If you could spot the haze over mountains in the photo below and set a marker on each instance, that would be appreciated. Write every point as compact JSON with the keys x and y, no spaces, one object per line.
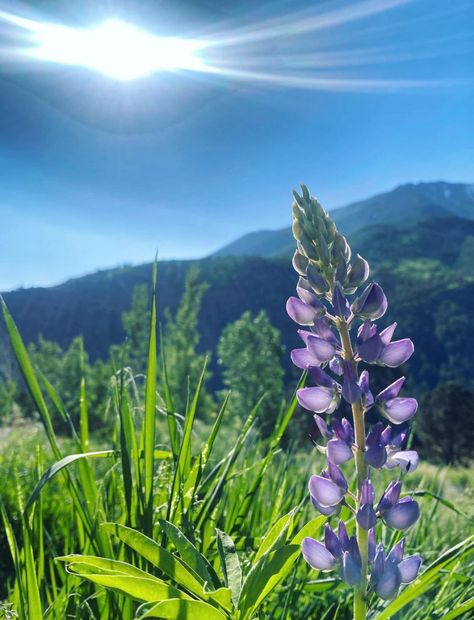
{"x":419,"y":240}
{"x":404,"y":205}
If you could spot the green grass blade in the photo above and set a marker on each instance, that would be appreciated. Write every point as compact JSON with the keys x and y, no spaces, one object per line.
{"x":184,"y":610}
{"x":230,"y":564}
{"x":461,"y":610}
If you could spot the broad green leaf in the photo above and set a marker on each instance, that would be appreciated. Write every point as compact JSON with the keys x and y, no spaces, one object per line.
{"x":184,"y":610}
{"x":312,"y":529}
{"x":230,"y":564}
{"x":427,"y":578}
{"x":265,"y":575}
{"x":276,"y":535}
{"x":190,"y":554}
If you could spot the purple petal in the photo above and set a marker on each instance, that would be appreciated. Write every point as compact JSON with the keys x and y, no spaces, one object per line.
{"x":371,"y":545}
{"x":303,"y":359}
{"x":351,"y":570}
{"x":367,"y":493}
{"x":397,"y":353}
{"x":304,"y":335}
{"x":379,"y":565}
{"x":388,"y":582}
{"x":367,"y":396}
{"x":391,"y":495}
{"x":391,"y":391}
{"x":337,"y":476}
{"x":372,"y":304}
{"x":396,"y":554}
{"x":407,"y":460}
{"x":403,"y":515}
{"x":409,"y":568}
{"x":366,"y":330}
{"x":369,"y":350}
{"x":300,"y":312}
{"x":340,"y":303}
{"x":323,"y":427}
{"x":316,"y":554}
{"x":335,"y":365}
{"x":342,"y":534}
{"x":320,"y":348}
{"x":338,"y":451}
{"x":319,"y":377}
{"x":350,"y":388}
{"x":318,"y":399}
{"x":387,"y":333}
{"x":366,"y":516}
{"x":325,"y":492}
{"x":376,"y":456}
{"x":332,"y":542}
{"x":316,"y":280}
{"x":343,"y":430}
{"x":399,"y":410}
{"x":321,"y":328}
{"x":327,"y":511}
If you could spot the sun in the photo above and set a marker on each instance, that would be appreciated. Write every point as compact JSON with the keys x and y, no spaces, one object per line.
{"x":114,"y":48}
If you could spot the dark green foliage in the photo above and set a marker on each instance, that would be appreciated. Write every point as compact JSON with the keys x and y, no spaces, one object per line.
{"x":445,"y":424}
{"x":135,"y":323}
{"x":250,"y":353}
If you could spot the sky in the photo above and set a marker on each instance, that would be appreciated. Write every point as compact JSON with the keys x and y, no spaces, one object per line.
{"x":351,"y":98}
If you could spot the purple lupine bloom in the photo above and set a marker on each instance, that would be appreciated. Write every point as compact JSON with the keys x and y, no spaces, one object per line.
{"x":375,"y":348}
{"x":383,"y":450}
{"x":321,"y":346}
{"x":397,"y":513}
{"x":389,"y":572}
{"x":328,"y":490}
{"x":337,"y":550}
{"x":372,"y":304}
{"x":340,"y":436}
{"x":366,"y":516}
{"x":394,"y":408}
{"x":324,"y":397}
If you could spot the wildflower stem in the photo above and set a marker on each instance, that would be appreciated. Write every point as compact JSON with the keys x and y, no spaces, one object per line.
{"x":360,"y":593}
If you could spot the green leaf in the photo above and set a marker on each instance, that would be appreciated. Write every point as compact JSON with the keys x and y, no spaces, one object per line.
{"x":276,"y":536}
{"x":54,"y":469}
{"x":459,"y":611}
{"x":428,"y":577}
{"x":312,"y":529}
{"x":184,"y":610}
{"x":190,"y":554}
{"x":265,"y":575}
{"x":230,"y":564}
{"x":32,"y":590}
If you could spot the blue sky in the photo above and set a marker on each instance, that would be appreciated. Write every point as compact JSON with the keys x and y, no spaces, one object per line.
{"x":352,"y":98}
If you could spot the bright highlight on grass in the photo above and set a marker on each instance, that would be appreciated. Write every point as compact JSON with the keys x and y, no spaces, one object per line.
{"x":115,"y":49}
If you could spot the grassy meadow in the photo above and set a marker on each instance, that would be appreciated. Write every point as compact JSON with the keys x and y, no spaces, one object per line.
{"x":189,"y":515}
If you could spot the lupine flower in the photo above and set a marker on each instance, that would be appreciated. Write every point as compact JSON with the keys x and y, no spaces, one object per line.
{"x":372,"y":304}
{"x":337,"y":550}
{"x":394,"y":408}
{"x":326,"y":279}
{"x":375,"y":348}
{"x":397,"y":513}
{"x":340,"y":437}
{"x":383,"y":450}
{"x":389,"y":572}
{"x":327,"y":491}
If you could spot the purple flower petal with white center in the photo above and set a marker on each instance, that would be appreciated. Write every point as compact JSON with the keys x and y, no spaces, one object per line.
{"x":321,"y":349}
{"x":316,"y":554}
{"x":300,"y":312}
{"x":389,"y":581}
{"x":318,"y":399}
{"x":409,"y":568}
{"x":338,"y":451}
{"x":403,"y":515}
{"x":399,"y":410}
{"x":372,"y":304}
{"x":407,"y":460}
{"x":392,"y":391}
{"x":397,"y":353}
{"x":327,"y":511}
{"x":325,"y":491}
{"x":340,"y":303}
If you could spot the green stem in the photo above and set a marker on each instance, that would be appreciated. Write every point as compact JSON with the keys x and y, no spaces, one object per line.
{"x":360,"y":593}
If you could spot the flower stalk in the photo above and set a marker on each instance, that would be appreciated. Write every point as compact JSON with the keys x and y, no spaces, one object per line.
{"x":327,"y":280}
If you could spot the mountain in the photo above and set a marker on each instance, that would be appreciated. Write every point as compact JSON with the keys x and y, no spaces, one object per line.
{"x":406,"y":204}
{"x":426,"y":268}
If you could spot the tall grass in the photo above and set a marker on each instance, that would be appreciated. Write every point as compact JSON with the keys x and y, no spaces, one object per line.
{"x":175,"y":519}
